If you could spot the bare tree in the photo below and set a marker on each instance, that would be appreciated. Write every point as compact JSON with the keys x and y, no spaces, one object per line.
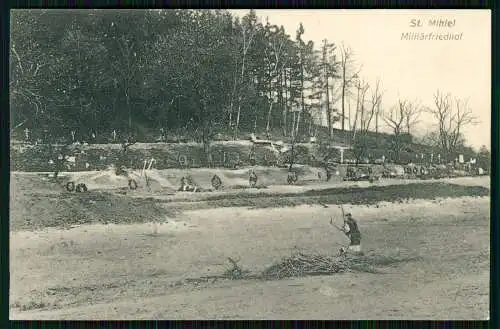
{"x":348,"y":79}
{"x":362,"y":119}
{"x":377,"y":95}
{"x":359,"y":116}
{"x":373,"y":107}
{"x":329,"y":80}
{"x":395,"y":119}
{"x":366,"y":111}
{"x":452,"y":117}
{"x":412,"y":113}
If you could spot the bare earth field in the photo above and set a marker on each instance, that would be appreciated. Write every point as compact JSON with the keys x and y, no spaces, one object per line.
{"x":146,"y":255}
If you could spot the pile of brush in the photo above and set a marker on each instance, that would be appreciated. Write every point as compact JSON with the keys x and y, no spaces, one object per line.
{"x":300,"y":264}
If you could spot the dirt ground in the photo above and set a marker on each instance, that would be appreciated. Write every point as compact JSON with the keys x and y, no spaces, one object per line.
{"x":141,"y":270}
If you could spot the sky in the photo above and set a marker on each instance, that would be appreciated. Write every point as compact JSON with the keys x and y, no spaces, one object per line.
{"x":409,"y":69}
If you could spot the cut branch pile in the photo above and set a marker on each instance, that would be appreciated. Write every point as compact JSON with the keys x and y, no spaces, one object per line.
{"x":302,"y":265}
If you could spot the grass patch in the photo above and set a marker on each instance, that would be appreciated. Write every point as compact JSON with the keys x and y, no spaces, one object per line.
{"x":351,"y":195}
{"x":373,"y":194}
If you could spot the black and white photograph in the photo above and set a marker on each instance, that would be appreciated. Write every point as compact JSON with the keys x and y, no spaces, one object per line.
{"x":175,"y":164}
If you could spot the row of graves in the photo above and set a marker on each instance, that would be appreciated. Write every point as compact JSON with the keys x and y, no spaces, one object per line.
{"x":82,"y":156}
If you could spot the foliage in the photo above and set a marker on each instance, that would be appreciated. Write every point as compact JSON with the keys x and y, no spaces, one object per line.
{"x":484,"y":157}
{"x":194,"y":73}
{"x":174,"y":69}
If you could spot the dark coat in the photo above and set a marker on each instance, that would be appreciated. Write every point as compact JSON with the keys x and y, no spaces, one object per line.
{"x":354,"y":234}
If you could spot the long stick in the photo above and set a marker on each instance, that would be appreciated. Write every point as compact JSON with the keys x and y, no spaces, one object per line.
{"x":147,"y":181}
{"x":144,"y":167}
{"x":331,"y":223}
{"x":151,"y":162}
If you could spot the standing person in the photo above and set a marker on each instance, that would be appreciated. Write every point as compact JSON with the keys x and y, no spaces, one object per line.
{"x":351,"y":229}
{"x":113,"y":134}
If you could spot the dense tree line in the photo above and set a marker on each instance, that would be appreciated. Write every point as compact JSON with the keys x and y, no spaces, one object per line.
{"x":197,"y":71}
{"x":162,"y":68}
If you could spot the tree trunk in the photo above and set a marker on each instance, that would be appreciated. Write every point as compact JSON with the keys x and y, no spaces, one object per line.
{"x":239,"y":93}
{"x":255,"y":124}
{"x":343,"y":96}
{"x":328,"y":112}
{"x":354,"y":128}
{"x":285,"y":108}
{"x":127,"y":100}
{"x":292,"y":155}
{"x":230,"y":123}
{"x":310,"y":125}
{"x":350,"y":123}
{"x":302,"y":91}
{"x":207,"y":151}
{"x":272,"y":74}
{"x":298,"y":125}
{"x":280,"y":95}
{"x":206,"y":137}
{"x":269,"y":116}
{"x":270,"y":107}
{"x":236,"y":127}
